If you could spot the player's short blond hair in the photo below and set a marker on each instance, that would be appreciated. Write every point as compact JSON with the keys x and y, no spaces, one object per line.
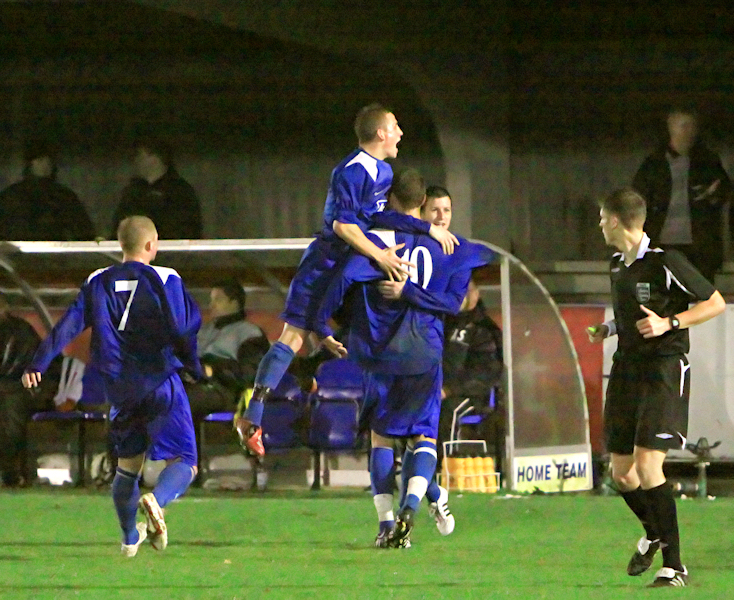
{"x":134,"y":232}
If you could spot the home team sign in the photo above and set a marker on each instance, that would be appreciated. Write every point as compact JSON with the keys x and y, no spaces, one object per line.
{"x":552,"y":473}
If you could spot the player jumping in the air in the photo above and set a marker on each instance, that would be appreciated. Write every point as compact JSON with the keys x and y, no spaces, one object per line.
{"x":398,"y":341}
{"x":355,"y":202}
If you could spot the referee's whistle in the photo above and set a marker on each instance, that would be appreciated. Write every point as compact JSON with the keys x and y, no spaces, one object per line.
{"x":592,"y":330}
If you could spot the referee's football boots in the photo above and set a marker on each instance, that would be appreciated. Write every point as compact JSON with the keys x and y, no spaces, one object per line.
{"x":667,"y":577}
{"x":642,"y":559}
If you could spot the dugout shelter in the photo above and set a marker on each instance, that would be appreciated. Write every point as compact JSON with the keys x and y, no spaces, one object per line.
{"x":547,"y":444}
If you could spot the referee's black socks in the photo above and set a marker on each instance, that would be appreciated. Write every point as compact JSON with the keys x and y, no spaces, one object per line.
{"x":638,"y":503}
{"x":661,"y":504}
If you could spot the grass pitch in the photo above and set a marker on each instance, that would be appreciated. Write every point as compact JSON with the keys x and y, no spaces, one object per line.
{"x":65,"y":544}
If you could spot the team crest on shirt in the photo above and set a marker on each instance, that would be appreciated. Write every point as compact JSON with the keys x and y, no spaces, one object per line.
{"x":643,"y":292}
{"x":381,"y":205}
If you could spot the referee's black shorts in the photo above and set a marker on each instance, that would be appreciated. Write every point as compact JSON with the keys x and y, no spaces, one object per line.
{"x":647,"y":403}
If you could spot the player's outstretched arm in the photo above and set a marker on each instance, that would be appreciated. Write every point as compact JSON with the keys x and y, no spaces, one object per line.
{"x":71,"y":324}
{"x":394,"y":267}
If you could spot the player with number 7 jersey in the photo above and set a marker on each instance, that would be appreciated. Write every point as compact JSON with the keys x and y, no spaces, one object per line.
{"x":144,"y":326}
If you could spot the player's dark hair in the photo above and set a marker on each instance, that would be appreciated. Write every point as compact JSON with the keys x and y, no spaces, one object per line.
{"x":628,"y":205}
{"x":233,"y":290}
{"x":369,"y":119}
{"x":436,"y":191}
{"x":409,"y":189}
{"x":154,"y":145}
{"x":133,"y":232}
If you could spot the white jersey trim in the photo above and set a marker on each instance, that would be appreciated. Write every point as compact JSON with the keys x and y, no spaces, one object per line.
{"x":97,"y":272}
{"x":387,"y":236}
{"x":368,"y":162}
{"x":165,"y":272}
{"x":669,"y":278}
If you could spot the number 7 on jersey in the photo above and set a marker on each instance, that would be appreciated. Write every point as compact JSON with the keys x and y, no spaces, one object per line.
{"x":126,"y":285}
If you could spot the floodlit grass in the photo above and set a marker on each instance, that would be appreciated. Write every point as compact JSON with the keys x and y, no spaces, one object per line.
{"x":65,"y":544}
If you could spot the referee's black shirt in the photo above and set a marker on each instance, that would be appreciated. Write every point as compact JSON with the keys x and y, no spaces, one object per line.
{"x":663,"y":281}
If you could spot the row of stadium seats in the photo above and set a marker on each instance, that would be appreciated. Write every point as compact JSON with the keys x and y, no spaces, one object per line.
{"x":324,"y":421}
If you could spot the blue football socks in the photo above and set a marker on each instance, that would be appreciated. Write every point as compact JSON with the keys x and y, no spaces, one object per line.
{"x":173,"y":481}
{"x":269,"y":373}
{"x":424,"y":468}
{"x":125,"y":496}
{"x":433,"y":491}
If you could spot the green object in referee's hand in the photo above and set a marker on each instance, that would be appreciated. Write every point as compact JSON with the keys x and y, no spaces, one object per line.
{"x":592,"y":330}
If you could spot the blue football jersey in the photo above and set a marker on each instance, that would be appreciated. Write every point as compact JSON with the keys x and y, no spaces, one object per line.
{"x":358,"y":189}
{"x":144,"y":325}
{"x":403,"y":336}
{"x":357,"y":194}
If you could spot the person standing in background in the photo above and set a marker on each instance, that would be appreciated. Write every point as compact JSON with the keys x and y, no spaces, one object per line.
{"x":39,"y":208}
{"x":685,"y":187}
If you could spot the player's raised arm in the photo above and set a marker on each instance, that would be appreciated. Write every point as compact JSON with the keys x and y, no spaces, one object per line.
{"x":394,"y":220}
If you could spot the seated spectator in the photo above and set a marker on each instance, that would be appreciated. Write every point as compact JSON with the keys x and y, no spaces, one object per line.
{"x":18,"y":343}
{"x":230,"y":349}
{"x":472,"y":360}
{"x":38,"y":207}
{"x":160,"y":193}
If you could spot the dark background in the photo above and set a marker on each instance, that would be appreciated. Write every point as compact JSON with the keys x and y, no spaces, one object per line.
{"x":527,"y":112}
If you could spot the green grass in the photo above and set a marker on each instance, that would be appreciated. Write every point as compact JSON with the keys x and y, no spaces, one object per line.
{"x":65,"y":544}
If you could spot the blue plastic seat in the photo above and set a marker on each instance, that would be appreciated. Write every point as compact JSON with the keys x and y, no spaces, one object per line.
{"x":281,"y":418}
{"x":79,"y":419}
{"x":334,"y":411}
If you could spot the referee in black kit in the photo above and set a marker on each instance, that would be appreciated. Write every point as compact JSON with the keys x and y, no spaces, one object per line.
{"x":646,"y":410}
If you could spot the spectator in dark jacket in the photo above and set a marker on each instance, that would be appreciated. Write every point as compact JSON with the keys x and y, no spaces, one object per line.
{"x":160,"y":193}
{"x":685,"y":186}
{"x":18,"y":343}
{"x":38,"y":207}
{"x":472,"y":361}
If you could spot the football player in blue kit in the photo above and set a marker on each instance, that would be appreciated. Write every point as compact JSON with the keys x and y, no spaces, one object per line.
{"x":399,"y":343}
{"x":355,"y":202}
{"x":144,"y":325}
